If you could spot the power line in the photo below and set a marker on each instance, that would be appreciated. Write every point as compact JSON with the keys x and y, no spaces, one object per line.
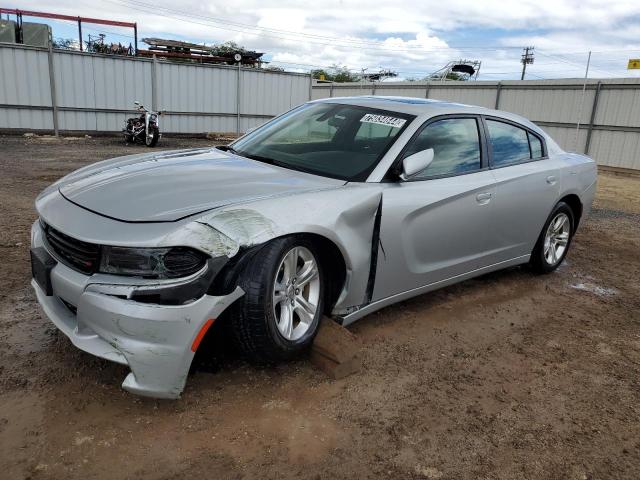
{"x":242,"y":28}
{"x":289,"y":35}
{"x":567,"y":61}
{"x":424,"y":73}
{"x":352,"y":70}
{"x":224,"y":24}
{"x":84,"y":27}
{"x":613,"y":50}
{"x":310,"y":38}
{"x":109,"y":33}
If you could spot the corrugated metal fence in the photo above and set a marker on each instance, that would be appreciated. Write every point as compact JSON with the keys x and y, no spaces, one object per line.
{"x":55,"y":89}
{"x":608,"y":112}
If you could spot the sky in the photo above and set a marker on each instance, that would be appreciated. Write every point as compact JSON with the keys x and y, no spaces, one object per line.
{"x":411,"y":37}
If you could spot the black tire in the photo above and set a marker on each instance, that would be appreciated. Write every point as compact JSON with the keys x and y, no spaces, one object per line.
{"x":252,"y":317}
{"x":539,"y":262}
{"x":153,"y":141}
{"x":128,"y":139}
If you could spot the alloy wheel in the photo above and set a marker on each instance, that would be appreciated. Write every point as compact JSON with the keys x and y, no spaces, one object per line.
{"x":296,"y":293}
{"x":557,"y":238}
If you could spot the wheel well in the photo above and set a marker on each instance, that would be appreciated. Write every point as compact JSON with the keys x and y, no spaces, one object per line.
{"x":576,"y":206}
{"x":334,"y":268}
{"x":330,"y":256}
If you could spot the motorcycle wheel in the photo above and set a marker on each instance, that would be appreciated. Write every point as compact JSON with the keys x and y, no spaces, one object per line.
{"x":152,"y":140}
{"x":128,"y":139}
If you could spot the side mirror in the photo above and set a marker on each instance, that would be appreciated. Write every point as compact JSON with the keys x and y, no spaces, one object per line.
{"x":414,"y":164}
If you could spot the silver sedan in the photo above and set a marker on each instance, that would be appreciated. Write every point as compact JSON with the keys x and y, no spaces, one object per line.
{"x":339,"y":207}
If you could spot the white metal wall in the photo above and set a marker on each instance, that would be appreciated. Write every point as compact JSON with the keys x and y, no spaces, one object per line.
{"x":608,"y":111}
{"x":19,"y":86}
{"x":96,"y":92}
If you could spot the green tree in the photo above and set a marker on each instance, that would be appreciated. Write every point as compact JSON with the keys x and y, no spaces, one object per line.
{"x":335,"y":73}
{"x":227,"y":48}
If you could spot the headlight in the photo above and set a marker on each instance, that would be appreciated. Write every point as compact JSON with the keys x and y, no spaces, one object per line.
{"x":171,"y":262}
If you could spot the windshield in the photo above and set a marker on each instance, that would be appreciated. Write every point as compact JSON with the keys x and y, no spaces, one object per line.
{"x":328,"y":139}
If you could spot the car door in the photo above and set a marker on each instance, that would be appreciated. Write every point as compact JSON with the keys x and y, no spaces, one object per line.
{"x":527,"y":186}
{"x":434,"y":225}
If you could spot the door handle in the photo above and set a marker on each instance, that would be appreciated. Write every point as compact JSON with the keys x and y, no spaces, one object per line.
{"x":551,"y":180}
{"x":483,"y":198}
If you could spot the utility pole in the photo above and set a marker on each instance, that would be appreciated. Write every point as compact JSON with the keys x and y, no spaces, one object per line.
{"x":584,"y":87}
{"x":527,"y":58}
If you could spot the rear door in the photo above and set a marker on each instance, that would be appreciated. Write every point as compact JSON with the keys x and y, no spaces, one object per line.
{"x":527,"y":184}
{"x":434,"y":226}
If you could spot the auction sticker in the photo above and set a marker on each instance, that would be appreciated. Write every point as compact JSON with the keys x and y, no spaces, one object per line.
{"x":383,"y":120}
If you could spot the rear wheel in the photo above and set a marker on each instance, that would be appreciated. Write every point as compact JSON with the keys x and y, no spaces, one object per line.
{"x":278,"y":317}
{"x":554,"y":240}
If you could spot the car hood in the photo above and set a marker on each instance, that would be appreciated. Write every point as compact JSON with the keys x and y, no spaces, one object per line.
{"x":169,"y":186}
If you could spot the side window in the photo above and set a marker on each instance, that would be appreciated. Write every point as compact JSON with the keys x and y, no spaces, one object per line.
{"x":510,"y":144}
{"x":536,"y":146}
{"x":455,"y":143}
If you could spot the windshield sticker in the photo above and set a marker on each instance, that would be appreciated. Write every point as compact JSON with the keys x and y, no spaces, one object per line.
{"x":383,"y":120}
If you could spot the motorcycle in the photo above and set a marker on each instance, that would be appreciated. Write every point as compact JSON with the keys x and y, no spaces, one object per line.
{"x":143,"y":129}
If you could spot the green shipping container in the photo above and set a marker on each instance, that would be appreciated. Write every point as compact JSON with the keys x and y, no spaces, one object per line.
{"x":36,"y":34}
{"x":7,"y":31}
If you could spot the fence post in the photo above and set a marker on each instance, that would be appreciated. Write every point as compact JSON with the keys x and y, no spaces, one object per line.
{"x":52,"y":86}
{"x":238,"y":101}
{"x":426,"y":92}
{"x":310,"y":86}
{"x":594,"y":109}
{"x":331,"y":90}
{"x":498,"y":90}
{"x":154,"y":83}
{"x":373,"y":89}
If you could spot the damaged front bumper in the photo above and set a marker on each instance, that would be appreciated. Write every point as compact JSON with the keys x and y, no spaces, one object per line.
{"x":157,"y":342}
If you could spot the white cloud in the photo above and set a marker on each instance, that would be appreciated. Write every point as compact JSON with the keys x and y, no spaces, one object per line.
{"x":414,"y":36}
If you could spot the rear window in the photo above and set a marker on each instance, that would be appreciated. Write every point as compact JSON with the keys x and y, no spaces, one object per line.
{"x":536,"y":146}
{"x":510,"y":144}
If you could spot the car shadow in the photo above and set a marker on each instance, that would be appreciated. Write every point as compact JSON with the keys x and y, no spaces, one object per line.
{"x":218,"y":349}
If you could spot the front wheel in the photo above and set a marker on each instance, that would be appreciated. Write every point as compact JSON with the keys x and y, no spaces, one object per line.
{"x":152,"y":137}
{"x":554,"y":240}
{"x":278,"y":317}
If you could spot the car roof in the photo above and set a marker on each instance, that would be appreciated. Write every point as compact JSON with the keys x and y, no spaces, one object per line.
{"x":424,"y":107}
{"x":411,"y":105}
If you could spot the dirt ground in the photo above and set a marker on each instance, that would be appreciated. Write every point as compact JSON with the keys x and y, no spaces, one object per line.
{"x":509,"y":376}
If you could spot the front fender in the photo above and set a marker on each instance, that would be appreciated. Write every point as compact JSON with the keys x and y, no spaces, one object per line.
{"x":344,"y":215}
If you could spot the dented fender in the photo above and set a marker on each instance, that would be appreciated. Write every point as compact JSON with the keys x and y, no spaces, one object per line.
{"x":344,"y":215}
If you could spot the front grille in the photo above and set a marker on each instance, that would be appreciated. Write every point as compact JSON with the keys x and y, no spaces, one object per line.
{"x":81,"y":256}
